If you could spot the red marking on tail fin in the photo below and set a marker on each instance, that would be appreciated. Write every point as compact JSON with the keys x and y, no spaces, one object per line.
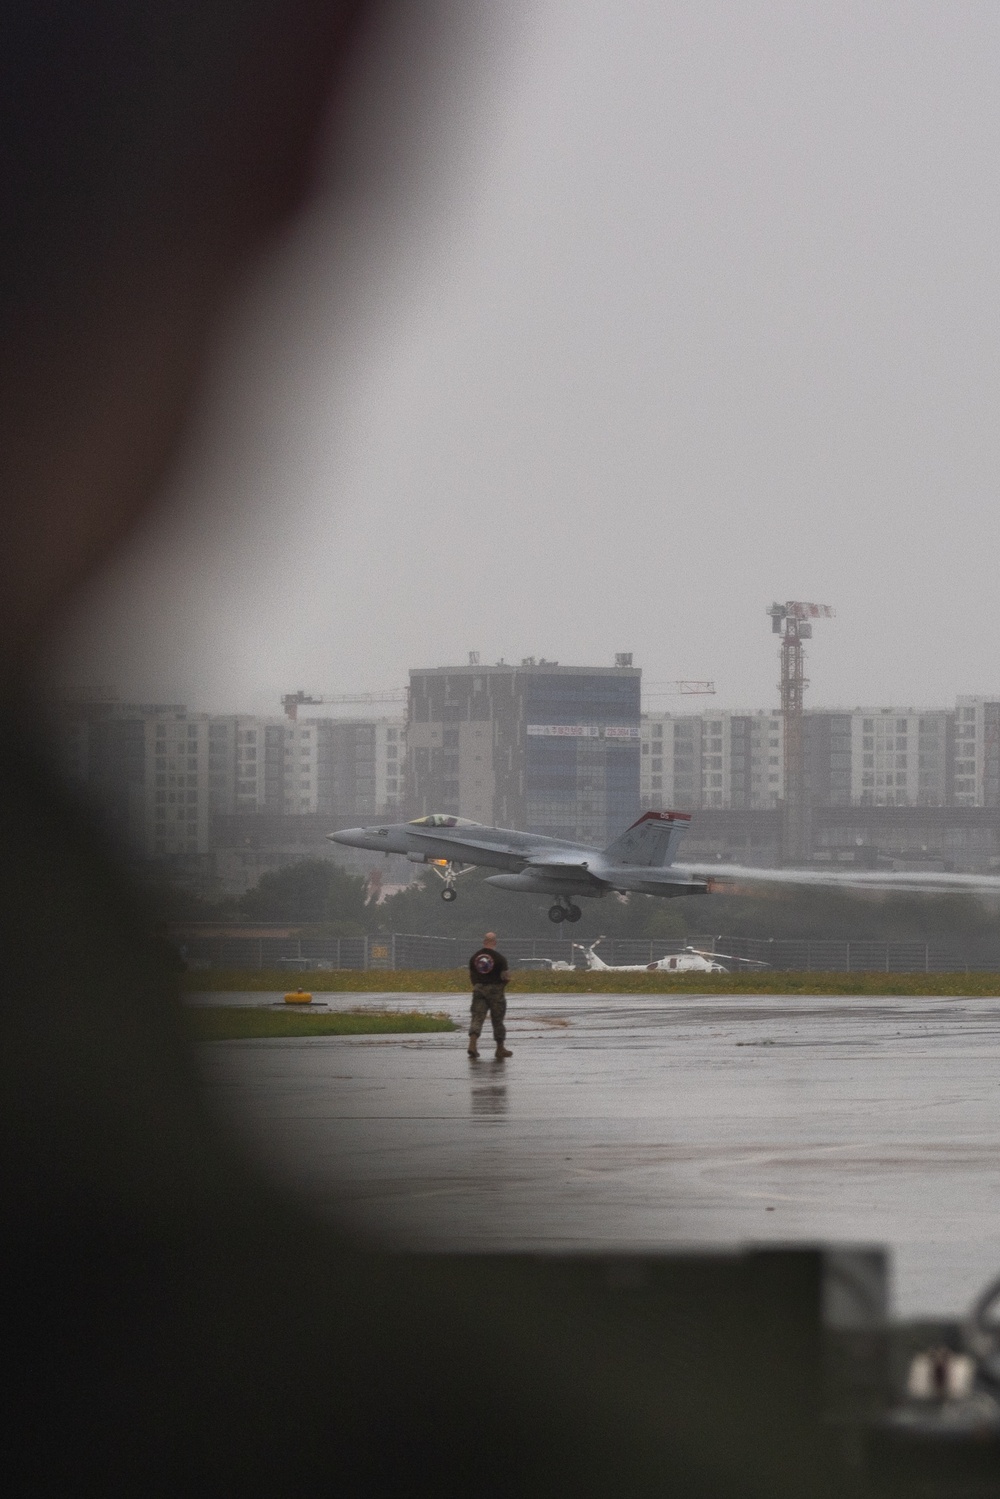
{"x":662,"y":817}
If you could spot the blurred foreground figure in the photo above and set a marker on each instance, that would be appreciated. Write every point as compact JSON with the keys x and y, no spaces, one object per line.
{"x":170,"y":1324}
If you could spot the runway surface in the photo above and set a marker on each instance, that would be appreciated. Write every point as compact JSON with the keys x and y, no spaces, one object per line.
{"x":649,"y":1122}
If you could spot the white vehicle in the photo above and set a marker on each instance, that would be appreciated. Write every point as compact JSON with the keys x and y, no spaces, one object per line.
{"x":691,"y":960}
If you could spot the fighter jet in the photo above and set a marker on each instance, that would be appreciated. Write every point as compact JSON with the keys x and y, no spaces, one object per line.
{"x":641,"y":860}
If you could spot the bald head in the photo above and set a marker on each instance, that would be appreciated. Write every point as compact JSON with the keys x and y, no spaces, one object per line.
{"x":490,"y":940}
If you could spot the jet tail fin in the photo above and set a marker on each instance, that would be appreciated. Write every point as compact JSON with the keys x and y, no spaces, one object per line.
{"x":650,"y":843}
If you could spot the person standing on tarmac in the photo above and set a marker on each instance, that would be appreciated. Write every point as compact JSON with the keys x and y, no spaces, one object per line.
{"x":490,"y":972}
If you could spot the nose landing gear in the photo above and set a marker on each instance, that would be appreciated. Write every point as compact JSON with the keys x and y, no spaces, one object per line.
{"x":447,"y":870}
{"x":564,"y":910}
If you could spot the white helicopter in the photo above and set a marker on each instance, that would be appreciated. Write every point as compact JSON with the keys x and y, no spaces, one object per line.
{"x":689,"y":960}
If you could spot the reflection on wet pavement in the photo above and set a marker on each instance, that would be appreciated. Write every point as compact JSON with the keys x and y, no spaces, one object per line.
{"x":651,"y":1122}
{"x":489,"y":1100}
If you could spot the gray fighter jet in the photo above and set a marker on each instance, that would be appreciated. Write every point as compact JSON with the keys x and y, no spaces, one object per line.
{"x":641,"y":860}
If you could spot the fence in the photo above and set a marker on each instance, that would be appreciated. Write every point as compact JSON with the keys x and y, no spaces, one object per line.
{"x":404,"y":950}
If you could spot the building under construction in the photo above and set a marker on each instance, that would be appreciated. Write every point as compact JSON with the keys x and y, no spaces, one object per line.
{"x":535,"y":745}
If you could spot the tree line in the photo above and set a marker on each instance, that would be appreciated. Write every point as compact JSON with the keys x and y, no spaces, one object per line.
{"x":320,"y":893}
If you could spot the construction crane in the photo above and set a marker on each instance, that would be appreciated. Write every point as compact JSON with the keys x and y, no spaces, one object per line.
{"x":679,"y":689}
{"x":793,"y":622}
{"x":293,"y":701}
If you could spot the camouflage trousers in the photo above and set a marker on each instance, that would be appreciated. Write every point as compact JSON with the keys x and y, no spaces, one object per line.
{"x":488,"y":999}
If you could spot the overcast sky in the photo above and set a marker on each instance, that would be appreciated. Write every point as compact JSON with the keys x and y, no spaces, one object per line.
{"x":663,"y":311}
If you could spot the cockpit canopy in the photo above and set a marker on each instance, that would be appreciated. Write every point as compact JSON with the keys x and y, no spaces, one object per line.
{"x":443,"y":820}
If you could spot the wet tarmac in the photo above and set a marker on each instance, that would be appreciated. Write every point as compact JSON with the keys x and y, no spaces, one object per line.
{"x":650,"y":1122}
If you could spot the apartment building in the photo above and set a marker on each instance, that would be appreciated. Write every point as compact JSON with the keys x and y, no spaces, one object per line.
{"x":352,"y":768}
{"x":390,"y":765}
{"x":146,"y":769}
{"x":159,"y":774}
{"x":878,"y":757}
{"x":247,"y":769}
{"x":902,"y":757}
{"x":692,"y":761}
{"x":554,"y":749}
{"x":975,"y":774}
{"x":143,"y":767}
{"x":176,"y":784}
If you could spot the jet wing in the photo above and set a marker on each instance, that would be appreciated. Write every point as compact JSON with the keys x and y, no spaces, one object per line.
{"x":560,"y":866}
{"x":888,"y":880}
{"x":541,"y":860}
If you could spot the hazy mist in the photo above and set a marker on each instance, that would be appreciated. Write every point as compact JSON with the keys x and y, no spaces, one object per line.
{"x":665,"y":311}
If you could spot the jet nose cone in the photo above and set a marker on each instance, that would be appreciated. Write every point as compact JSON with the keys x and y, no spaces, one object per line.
{"x":353,"y":837}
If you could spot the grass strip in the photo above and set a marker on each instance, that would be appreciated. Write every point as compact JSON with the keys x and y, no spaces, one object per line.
{"x":528,"y":981}
{"x":338,"y":981}
{"x":230,"y":1023}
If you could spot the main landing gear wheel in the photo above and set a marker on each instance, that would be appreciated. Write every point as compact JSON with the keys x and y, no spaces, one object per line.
{"x":448,"y":893}
{"x":572,"y":913}
{"x":556,"y":913}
